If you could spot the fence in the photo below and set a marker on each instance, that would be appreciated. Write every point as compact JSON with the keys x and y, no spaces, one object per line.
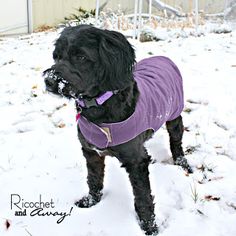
{"x":51,"y":12}
{"x":35,"y":13}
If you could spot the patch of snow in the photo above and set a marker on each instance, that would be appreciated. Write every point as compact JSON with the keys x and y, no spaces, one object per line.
{"x":40,"y":153}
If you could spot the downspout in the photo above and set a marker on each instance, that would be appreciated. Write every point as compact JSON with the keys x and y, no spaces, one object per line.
{"x":30,"y":16}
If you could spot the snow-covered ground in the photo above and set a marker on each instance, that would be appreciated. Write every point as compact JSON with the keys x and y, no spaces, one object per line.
{"x":40,"y":155}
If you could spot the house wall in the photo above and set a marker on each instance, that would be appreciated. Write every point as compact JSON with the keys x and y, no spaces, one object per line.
{"x":52,"y":12}
{"x":209,"y":6}
{"x":13,"y":20}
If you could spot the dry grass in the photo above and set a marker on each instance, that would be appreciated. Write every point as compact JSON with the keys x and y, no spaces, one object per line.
{"x":43,"y":28}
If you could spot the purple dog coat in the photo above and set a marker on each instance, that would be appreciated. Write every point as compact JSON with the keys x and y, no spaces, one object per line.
{"x":161,"y":99}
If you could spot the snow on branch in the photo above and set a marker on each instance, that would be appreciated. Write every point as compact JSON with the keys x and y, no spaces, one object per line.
{"x":165,"y":7}
{"x":103,"y":5}
{"x":230,"y":11}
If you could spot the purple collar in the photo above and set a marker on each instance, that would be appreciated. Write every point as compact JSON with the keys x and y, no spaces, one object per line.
{"x":96,"y":101}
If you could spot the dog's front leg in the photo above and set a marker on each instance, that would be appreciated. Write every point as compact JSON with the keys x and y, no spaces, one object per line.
{"x":95,"y":167}
{"x":137,"y":168}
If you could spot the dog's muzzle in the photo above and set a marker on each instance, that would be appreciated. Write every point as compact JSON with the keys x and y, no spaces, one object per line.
{"x":55,"y":83}
{"x":58,"y":85}
{"x":51,"y":80}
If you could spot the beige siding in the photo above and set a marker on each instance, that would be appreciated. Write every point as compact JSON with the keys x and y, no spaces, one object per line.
{"x":13,"y":17}
{"x":209,"y":6}
{"x":51,"y":12}
{"x":126,"y":5}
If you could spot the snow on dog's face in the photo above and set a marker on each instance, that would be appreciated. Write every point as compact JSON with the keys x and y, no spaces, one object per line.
{"x":56,"y":84}
{"x":89,"y":61}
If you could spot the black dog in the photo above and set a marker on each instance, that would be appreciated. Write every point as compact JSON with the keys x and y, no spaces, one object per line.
{"x":96,"y":68}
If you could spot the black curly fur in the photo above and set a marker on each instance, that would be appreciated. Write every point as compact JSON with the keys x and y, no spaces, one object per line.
{"x":90,"y":61}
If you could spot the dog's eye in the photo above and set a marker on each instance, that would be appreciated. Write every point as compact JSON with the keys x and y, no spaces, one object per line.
{"x":56,"y":56}
{"x":81,"y":58}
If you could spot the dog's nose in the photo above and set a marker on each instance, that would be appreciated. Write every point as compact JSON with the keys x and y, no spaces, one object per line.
{"x":51,"y":84}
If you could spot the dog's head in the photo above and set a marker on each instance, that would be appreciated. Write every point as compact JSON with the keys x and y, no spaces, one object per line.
{"x":90,"y":61}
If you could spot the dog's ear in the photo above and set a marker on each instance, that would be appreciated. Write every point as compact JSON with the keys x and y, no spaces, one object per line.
{"x":60,"y":48}
{"x":117,"y":58}
{"x":63,"y":41}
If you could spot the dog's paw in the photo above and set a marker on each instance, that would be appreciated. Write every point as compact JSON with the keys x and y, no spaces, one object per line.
{"x":149,"y":227}
{"x":182,"y":161}
{"x":88,"y":201}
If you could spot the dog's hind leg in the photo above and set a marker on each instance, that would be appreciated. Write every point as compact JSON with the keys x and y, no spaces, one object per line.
{"x":95,"y":167}
{"x":175,"y":129}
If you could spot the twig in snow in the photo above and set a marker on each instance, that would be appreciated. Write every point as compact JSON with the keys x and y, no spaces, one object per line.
{"x":194,"y":192}
{"x":200,"y":212}
{"x":191,"y":149}
{"x":231,"y":205}
{"x":28,"y":232}
{"x":221,"y":125}
{"x":197,"y":102}
{"x":7,"y":224}
{"x":211,"y":198}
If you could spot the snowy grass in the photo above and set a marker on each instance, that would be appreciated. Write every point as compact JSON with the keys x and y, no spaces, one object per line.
{"x":40,"y":153}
